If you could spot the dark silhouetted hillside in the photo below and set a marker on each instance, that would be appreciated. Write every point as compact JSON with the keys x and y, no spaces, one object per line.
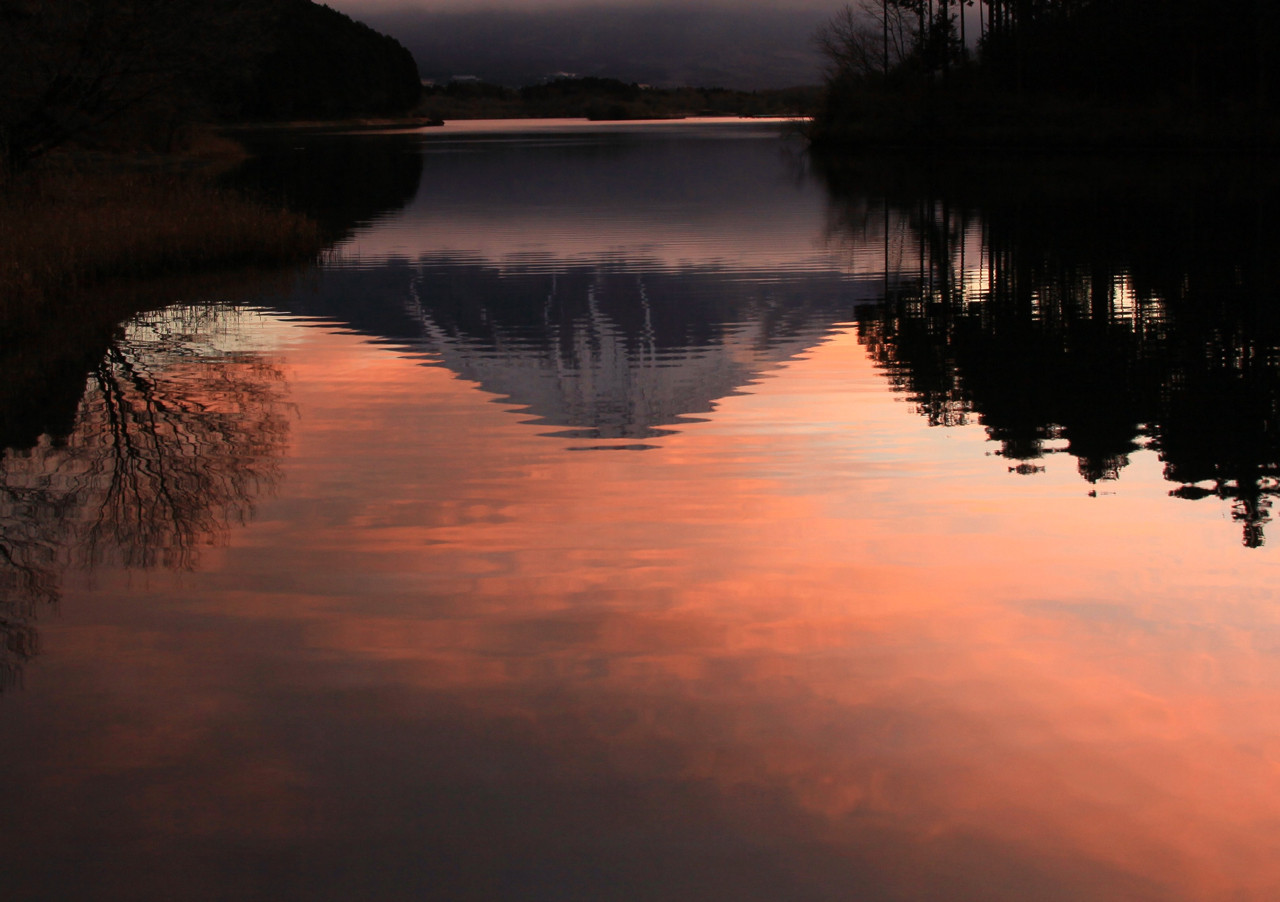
{"x":325,"y":65}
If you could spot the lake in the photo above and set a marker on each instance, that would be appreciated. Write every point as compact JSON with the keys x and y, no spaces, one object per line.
{"x":650,"y":511}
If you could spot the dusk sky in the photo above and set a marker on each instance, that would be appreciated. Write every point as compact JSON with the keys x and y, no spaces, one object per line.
{"x":752,"y":44}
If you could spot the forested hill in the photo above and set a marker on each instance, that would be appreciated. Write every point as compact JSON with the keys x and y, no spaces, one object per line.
{"x":324,"y":65}
{"x":105,"y":73}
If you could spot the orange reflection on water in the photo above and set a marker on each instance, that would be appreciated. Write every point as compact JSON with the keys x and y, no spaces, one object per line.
{"x":809,"y":646}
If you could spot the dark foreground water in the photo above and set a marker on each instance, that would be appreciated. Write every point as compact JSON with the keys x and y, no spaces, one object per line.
{"x":651,"y":513}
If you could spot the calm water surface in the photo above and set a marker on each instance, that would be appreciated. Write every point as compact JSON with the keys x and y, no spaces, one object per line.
{"x":650,"y":513}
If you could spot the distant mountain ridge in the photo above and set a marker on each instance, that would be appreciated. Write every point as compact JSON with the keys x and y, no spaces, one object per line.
{"x":744,"y":48}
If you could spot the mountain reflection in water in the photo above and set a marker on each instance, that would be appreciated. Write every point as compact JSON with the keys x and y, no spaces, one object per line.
{"x":597,"y":352}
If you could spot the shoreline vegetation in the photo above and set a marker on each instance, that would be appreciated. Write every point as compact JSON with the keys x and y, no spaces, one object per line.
{"x":80,"y":222}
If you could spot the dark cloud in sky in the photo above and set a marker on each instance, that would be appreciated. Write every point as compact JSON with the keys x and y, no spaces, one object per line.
{"x":709,"y":43}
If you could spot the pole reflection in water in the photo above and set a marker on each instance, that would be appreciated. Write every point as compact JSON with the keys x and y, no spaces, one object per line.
{"x":808,"y":645}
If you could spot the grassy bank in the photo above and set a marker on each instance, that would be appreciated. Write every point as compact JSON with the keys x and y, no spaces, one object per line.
{"x":66,"y":229}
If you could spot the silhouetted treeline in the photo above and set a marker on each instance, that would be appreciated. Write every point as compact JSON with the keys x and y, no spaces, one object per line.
{"x":1085,"y":309}
{"x":1180,"y":50}
{"x":1061,"y":71}
{"x":107,"y":74}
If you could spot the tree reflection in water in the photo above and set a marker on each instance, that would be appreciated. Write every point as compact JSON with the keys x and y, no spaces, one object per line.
{"x":178,"y":431}
{"x":1067,"y":315}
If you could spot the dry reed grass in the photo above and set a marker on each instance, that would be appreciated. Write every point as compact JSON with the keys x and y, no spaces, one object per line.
{"x":63,"y":230}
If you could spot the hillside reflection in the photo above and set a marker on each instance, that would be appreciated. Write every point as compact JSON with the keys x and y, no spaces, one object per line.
{"x":1092,"y":313}
{"x":175,"y":435}
{"x":342,"y":181}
